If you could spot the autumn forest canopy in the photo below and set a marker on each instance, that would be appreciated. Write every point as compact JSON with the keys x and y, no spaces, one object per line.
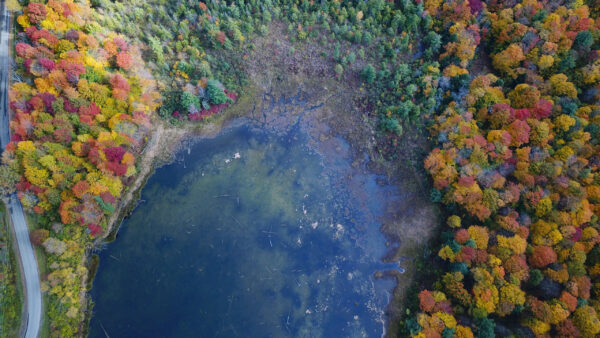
{"x":507,"y":93}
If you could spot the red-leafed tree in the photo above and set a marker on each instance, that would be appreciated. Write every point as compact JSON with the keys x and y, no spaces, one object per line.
{"x":542,"y":256}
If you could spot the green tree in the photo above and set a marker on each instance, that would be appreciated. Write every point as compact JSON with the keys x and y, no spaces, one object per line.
{"x":351,"y":57}
{"x":583,"y":40}
{"x":368,"y":73}
{"x":8,"y":179}
{"x":485,"y":328}
{"x":339,"y":70}
{"x":216,"y":93}
{"x":336,"y":52}
{"x":433,"y":41}
{"x":157,"y":50}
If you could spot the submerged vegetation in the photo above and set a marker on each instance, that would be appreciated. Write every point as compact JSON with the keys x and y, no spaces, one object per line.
{"x":262,"y":207}
{"x":509,"y":92}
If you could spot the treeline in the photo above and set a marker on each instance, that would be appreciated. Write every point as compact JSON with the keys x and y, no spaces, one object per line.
{"x":187,"y":40}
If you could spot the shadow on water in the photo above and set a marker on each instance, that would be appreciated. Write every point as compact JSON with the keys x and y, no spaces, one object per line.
{"x":251,"y":233}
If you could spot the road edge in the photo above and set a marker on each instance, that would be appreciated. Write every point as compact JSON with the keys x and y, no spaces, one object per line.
{"x":23,"y":246}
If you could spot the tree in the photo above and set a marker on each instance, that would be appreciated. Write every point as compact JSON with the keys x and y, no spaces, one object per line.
{"x":8,"y":180}
{"x":368,"y":74}
{"x":535,"y":277}
{"x":508,"y":59}
{"x":567,"y":329}
{"x":339,"y":70}
{"x":559,"y":85}
{"x":433,"y":42}
{"x":36,"y":12}
{"x":336,"y":52}
{"x":124,"y":60}
{"x":157,"y":50}
{"x":39,"y":236}
{"x":485,"y":328}
{"x":190,"y":101}
{"x":583,"y":40}
{"x":586,"y":320}
{"x":351,"y":57}
{"x":216,"y":92}
{"x":426,"y":301}
{"x":54,"y":246}
{"x":454,"y":221}
{"x":524,"y":96}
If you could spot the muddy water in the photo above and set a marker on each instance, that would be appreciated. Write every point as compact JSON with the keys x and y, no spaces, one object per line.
{"x":251,"y":233}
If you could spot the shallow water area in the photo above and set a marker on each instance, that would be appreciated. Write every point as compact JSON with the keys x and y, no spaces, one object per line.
{"x":251,"y":233}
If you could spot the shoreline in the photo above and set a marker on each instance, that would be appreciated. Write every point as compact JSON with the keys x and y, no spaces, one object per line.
{"x":323,"y":124}
{"x":152,"y":159}
{"x":339,"y":111}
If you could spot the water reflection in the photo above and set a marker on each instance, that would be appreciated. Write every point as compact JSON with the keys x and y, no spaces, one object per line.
{"x":248,"y":235}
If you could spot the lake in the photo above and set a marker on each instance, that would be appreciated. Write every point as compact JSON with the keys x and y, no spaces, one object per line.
{"x":250,"y":233}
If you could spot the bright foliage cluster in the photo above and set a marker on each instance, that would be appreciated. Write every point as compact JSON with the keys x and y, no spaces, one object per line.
{"x":191,"y":44}
{"x":518,"y":168}
{"x":81,"y":117}
{"x":177,"y":36}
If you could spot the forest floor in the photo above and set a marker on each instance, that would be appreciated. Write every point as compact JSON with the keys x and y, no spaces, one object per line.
{"x":279,"y":70}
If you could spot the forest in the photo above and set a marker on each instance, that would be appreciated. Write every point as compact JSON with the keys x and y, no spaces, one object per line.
{"x":377,"y":41}
{"x":82,"y":114}
{"x":507,"y":92}
{"x":516,"y":168}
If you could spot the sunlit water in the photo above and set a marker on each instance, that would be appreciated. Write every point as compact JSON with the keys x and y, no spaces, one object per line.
{"x":248,"y":234}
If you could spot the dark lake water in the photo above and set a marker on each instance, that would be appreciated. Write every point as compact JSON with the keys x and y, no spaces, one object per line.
{"x":248,"y":234}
